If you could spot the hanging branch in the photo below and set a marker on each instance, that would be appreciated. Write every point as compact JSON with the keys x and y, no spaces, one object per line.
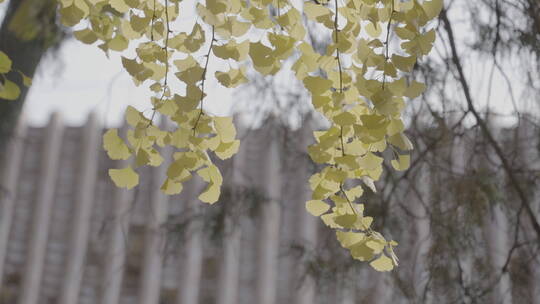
{"x":204,"y":78}
{"x":336,"y":30}
{"x":386,"y":43}
{"x":166,"y":49}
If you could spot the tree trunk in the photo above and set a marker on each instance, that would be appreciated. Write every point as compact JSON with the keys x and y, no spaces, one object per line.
{"x":29,"y":28}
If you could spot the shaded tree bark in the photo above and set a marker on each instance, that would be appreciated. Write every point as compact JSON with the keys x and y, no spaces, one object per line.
{"x":29,"y":28}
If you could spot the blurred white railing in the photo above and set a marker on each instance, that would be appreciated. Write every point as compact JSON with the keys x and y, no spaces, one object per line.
{"x":67,"y":235}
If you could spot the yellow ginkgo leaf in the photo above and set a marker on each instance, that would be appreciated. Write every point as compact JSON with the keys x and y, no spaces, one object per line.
{"x":370,"y":161}
{"x":313,"y":10}
{"x":115,"y":146}
{"x":216,"y":6}
{"x":415,"y":90}
{"x":374,"y":30}
{"x":211,"y":194}
{"x":9,"y":90}
{"x":225,"y":128}
{"x":346,"y":220}
{"x":317,"y":207}
{"x":171,"y":187}
{"x":133,"y":117}
{"x":119,"y":5}
{"x":433,"y":8}
{"x":27,"y":81}
{"x":232,"y":78}
{"x":382,"y":263}
{"x":345,"y":119}
{"x":402,"y":163}
{"x":86,"y":35}
{"x":404,"y":63}
{"x":349,"y":238}
{"x":421,"y":44}
{"x":124,"y":178}
{"x":317,"y":85}
{"x":361,"y":252}
{"x":228,"y":149}
{"x":401,"y":141}
{"x":211,"y":175}
{"x":5,"y":63}
{"x":376,"y":244}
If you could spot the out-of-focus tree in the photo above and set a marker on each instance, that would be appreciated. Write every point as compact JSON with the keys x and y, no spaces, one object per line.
{"x":28,"y":30}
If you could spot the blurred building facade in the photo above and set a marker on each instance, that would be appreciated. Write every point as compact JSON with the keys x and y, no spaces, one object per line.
{"x":67,"y":235}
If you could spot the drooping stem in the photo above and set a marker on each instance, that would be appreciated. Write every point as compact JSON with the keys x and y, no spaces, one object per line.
{"x":386,"y":43}
{"x":152,"y":21}
{"x":203,"y":77}
{"x":166,"y":49}
{"x":338,"y":57}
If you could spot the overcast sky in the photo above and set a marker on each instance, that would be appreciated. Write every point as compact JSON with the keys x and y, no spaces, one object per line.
{"x":80,"y":79}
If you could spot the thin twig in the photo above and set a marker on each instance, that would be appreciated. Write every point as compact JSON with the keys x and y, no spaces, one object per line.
{"x":347,"y":198}
{"x":483,"y":126}
{"x":166,"y":49}
{"x":386,"y":51}
{"x":340,"y":71}
{"x":152,"y":22}
{"x":336,"y":30}
{"x":204,"y":78}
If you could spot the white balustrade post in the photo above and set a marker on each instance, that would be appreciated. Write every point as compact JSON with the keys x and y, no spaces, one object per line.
{"x":460,"y":154}
{"x":8,"y":192}
{"x":229,"y":273}
{"x":529,"y":137}
{"x":270,"y":218}
{"x":116,"y":250}
{"x":496,"y":232}
{"x":307,"y":225}
{"x":421,"y":273}
{"x":230,"y":265}
{"x":151,"y":274}
{"x":347,"y":292}
{"x":115,"y":256}
{"x":42,"y":212}
{"x":382,"y":286}
{"x":188,"y":293}
{"x":535,"y":286}
{"x":84,"y":203}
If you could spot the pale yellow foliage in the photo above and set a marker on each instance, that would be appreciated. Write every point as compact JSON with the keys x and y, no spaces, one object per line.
{"x":364,"y":110}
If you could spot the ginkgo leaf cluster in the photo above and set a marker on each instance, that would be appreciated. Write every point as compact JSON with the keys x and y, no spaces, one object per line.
{"x":359,"y":83}
{"x":362,"y":89}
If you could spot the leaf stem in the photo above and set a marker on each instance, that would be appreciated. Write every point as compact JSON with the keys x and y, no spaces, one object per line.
{"x":336,"y":30}
{"x":386,"y":51}
{"x":153,"y":20}
{"x":166,"y":49}
{"x":204,"y":78}
{"x":340,"y":70}
{"x":347,"y":198}
{"x":342,"y":143}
